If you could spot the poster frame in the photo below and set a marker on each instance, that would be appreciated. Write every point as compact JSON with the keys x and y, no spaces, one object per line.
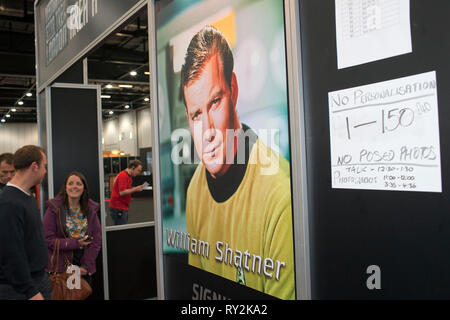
{"x":153,"y":69}
{"x":297,"y":149}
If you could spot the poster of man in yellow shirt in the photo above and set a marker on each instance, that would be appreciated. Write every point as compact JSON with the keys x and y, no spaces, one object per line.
{"x":238,"y":212}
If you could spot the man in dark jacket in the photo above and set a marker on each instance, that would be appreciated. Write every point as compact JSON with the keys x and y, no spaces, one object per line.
{"x":6,"y":169}
{"x":23,"y":250}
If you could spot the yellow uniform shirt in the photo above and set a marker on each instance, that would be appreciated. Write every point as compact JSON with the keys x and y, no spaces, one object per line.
{"x":248,"y":238}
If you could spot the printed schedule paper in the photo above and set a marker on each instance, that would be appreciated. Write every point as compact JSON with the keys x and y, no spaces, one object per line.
{"x":385,"y":136}
{"x":370,"y":30}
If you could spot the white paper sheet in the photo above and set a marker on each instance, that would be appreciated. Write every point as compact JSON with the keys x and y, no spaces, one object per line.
{"x":370,"y":30}
{"x":385,"y":136}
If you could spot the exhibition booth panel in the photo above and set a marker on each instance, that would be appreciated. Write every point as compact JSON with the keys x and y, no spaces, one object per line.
{"x":70,"y":122}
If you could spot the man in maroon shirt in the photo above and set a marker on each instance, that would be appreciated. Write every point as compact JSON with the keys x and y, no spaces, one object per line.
{"x":121,"y":193}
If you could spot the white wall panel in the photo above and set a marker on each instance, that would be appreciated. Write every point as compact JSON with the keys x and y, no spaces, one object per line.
{"x":110,"y":134}
{"x":127,"y":133}
{"x":121,"y":134}
{"x":144,"y":120}
{"x":16,"y":135}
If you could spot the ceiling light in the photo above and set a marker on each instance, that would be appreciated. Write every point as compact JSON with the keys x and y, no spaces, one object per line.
{"x":111,"y":112}
{"x":133,"y":73}
{"x":147,"y":73}
{"x":146,"y":99}
{"x":20,"y":103}
{"x":125,"y":86}
{"x":29,"y":94}
{"x":8,"y":116}
{"x":109,"y":86}
{"x":13,"y":109}
{"x":127,"y":106}
{"x":120,"y":34}
{"x":3,"y":120}
{"x":105,"y":96}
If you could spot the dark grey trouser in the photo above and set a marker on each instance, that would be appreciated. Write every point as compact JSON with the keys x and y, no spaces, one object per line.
{"x":7,"y":292}
{"x":119,"y":216}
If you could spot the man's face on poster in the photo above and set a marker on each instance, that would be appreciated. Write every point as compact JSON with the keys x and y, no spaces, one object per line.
{"x":210,"y":109}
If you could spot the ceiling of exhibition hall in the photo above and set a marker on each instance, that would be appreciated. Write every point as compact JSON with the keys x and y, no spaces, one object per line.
{"x":119,"y":65}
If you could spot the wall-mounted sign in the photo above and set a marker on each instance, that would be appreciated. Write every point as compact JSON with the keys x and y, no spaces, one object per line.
{"x":65,"y":28}
{"x":385,"y":136}
{"x":367,"y":31}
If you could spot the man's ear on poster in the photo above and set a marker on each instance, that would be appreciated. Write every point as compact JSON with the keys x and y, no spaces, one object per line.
{"x":234,"y":89}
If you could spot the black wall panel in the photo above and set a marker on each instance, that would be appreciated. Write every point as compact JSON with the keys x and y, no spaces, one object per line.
{"x":75,"y":136}
{"x":407,"y":234}
{"x":132,"y":263}
{"x":72,"y":75}
{"x":74,"y":125}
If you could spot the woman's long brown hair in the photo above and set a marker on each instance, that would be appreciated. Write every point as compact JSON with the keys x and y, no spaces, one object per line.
{"x":84,"y":199}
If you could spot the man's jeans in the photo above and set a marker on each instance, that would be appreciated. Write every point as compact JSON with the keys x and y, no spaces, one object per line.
{"x":43,"y":284}
{"x":119,"y":216}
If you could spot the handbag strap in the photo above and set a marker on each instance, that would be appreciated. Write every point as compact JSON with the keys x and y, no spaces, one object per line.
{"x":57,"y":241}
{"x":55,"y":254}
{"x":59,"y":217}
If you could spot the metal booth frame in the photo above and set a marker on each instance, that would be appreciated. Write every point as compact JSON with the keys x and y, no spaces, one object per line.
{"x":297,"y":141}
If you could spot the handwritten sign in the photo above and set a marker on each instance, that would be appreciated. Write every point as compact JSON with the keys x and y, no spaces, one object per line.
{"x":385,"y":136}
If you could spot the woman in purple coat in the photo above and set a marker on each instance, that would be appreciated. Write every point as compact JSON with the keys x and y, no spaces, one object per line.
{"x":72,"y":218}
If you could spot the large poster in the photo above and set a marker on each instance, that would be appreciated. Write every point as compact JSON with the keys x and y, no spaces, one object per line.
{"x":224,"y":144}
